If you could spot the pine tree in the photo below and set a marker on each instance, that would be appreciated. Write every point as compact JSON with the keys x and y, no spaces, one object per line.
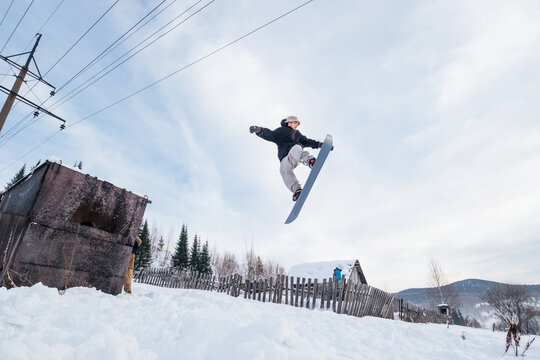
{"x":180,"y":259}
{"x":194,"y":258}
{"x":205,"y":264}
{"x":18,"y":176}
{"x":259,"y":268}
{"x":35,"y":166}
{"x":161,"y":243}
{"x":143,"y":256}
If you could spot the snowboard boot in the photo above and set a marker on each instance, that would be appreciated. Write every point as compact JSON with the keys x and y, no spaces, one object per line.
{"x":311,"y":162}
{"x":296,"y":194}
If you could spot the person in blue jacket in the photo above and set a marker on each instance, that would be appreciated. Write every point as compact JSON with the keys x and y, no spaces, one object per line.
{"x":290,"y":143}
{"x":337,"y":272}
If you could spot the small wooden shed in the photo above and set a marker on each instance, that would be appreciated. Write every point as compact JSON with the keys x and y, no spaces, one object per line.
{"x":64,"y":228}
{"x":325,"y":269}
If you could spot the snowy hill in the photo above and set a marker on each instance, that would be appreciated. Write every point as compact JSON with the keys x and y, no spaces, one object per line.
{"x":160,"y":323}
{"x":470,"y":292}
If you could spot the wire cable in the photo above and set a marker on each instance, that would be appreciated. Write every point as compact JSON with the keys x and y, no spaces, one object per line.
{"x":14,"y":130}
{"x":30,"y":151}
{"x":17,"y":26}
{"x":45,"y":23}
{"x":192,"y":63}
{"x":7,"y":11}
{"x":162,"y":79}
{"x":112,"y":46}
{"x":86,"y":84}
{"x":83,"y":35}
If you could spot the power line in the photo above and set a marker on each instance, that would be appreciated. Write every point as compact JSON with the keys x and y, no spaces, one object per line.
{"x":4,"y":137}
{"x":84,"y":86}
{"x":105,"y":52}
{"x":17,"y":26}
{"x":8,"y":135}
{"x":83,"y":35}
{"x":30,"y":151}
{"x":192,"y":63}
{"x":46,"y":22}
{"x":164,"y":78}
{"x":7,"y":11}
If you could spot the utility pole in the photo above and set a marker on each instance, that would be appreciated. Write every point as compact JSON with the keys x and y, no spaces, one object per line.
{"x":14,"y":93}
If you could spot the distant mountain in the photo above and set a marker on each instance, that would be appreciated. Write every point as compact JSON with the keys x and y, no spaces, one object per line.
{"x":469,"y":292}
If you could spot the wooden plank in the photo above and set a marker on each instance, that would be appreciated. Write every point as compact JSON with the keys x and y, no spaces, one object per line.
{"x":323,"y":293}
{"x":339,"y":295}
{"x":359,"y":300}
{"x":334,"y":295}
{"x":315,"y":292}
{"x":281,"y":288}
{"x":265,"y":289}
{"x":232,"y":290}
{"x":286,"y":290}
{"x":291,"y":291}
{"x":302,"y":293}
{"x":367,"y":301}
{"x":329,"y":294}
{"x":296,"y":290}
{"x":308,"y":292}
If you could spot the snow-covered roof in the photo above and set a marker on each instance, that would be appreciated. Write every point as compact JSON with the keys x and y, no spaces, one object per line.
{"x":320,"y":270}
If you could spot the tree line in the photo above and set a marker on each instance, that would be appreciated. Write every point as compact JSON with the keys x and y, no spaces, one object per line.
{"x":196,"y":257}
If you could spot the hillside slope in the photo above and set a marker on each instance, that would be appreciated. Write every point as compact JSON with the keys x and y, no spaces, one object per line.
{"x":160,"y":323}
{"x":470,"y":292}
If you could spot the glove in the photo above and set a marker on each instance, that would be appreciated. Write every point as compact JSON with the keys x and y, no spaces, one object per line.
{"x":255,"y":129}
{"x":321,"y":144}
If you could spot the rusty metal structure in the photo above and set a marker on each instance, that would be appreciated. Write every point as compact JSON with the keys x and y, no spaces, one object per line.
{"x":64,"y":228}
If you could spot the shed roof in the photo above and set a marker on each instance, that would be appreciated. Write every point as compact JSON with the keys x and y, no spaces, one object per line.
{"x":320,"y":270}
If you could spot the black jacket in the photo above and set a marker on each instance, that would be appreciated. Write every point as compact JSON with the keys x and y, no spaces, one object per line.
{"x":285,"y":137}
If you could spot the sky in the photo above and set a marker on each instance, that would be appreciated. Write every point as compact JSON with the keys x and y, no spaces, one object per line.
{"x":433,"y":108}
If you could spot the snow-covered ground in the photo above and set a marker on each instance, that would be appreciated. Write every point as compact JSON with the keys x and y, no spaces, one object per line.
{"x":158,"y":323}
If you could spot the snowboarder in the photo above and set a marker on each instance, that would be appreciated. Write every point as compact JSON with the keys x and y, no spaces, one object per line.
{"x":290,"y":143}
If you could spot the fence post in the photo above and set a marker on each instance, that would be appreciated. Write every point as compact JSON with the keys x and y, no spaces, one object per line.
{"x":315,"y":291}
{"x":308,"y":292}
{"x":331,"y":293}
{"x":323,"y":293}
{"x":265,"y":287}
{"x":302,"y":295}
{"x":286,"y":290}
{"x":270,"y":299}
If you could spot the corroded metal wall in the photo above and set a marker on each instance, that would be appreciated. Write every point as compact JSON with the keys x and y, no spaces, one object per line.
{"x":65,"y":228}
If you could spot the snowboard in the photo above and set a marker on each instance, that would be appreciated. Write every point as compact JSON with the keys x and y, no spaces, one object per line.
{"x":323,"y":154}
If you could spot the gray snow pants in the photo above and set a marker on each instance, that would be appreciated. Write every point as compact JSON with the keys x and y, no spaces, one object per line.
{"x":295,"y":156}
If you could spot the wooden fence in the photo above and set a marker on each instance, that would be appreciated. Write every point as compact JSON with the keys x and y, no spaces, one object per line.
{"x":341,"y":296}
{"x":412,"y":313}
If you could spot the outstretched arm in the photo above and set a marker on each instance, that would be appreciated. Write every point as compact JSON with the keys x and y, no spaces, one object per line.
{"x":261,"y":132}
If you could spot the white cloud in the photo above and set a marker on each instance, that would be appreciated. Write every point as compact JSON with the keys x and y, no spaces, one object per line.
{"x":433,"y":108}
